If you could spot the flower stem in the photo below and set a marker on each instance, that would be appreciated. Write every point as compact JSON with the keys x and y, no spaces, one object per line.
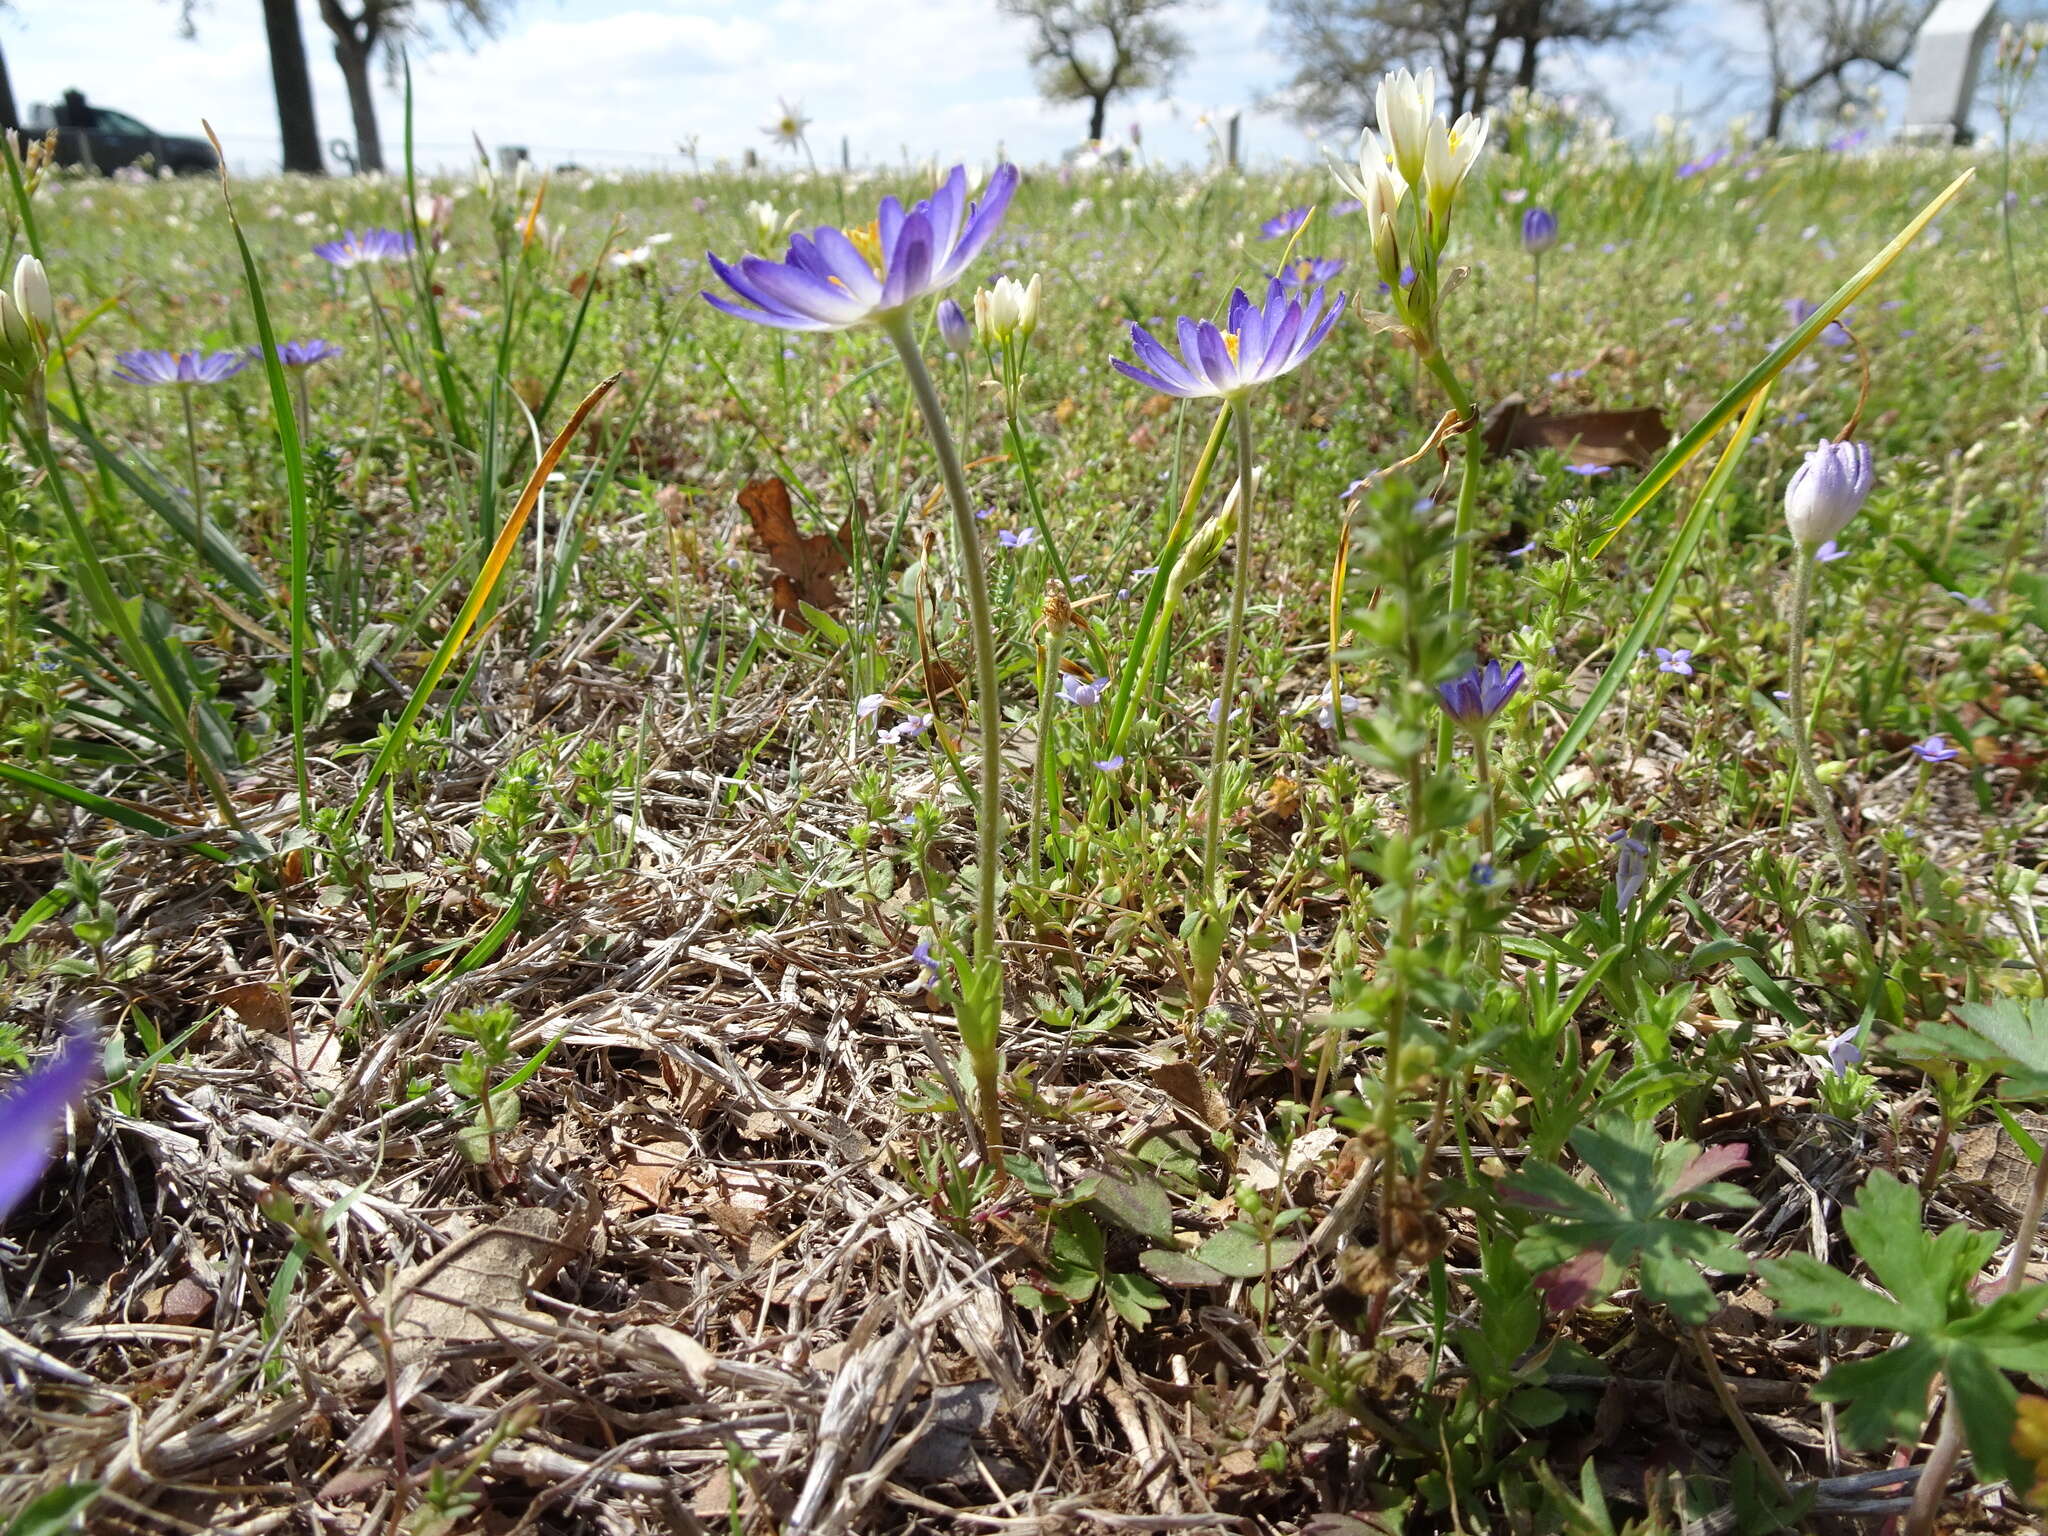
{"x":1802,"y":744}
{"x":198,"y":483}
{"x":1233,"y":648}
{"x":1045,"y":781}
{"x":1468,"y":501}
{"x":987,"y":701}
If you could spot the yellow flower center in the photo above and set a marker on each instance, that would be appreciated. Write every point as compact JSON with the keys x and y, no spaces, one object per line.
{"x":867,"y":239}
{"x":1302,"y":269}
{"x":1230,"y":344}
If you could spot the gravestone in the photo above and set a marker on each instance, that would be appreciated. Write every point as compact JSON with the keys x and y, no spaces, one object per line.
{"x":1946,"y":59}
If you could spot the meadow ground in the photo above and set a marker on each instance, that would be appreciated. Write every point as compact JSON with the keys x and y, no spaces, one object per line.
{"x":545,"y":1110}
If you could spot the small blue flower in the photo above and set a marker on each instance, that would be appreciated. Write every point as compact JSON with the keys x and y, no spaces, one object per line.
{"x":1843,"y":1052}
{"x":1678,"y":662}
{"x":869,"y":703}
{"x":1830,"y":551}
{"x":1935,"y":749}
{"x":1110,"y":764}
{"x":922,"y":954}
{"x":1087,"y":695}
{"x":1480,"y":694}
{"x":1974,"y":604}
{"x":1017,"y":538}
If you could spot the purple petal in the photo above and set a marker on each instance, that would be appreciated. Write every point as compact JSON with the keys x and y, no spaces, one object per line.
{"x":982,"y":221}
{"x":1215,"y":357}
{"x":1158,"y":359}
{"x":842,"y":259}
{"x":32,"y":1112}
{"x":793,"y":291}
{"x":910,"y":266}
{"x":1154,"y":381}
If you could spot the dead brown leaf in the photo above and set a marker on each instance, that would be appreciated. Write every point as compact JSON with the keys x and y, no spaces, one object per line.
{"x":805,"y":564}
{"x":1630,"y":437}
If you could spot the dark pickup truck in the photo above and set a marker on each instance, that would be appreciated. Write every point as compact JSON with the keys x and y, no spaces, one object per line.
{"x":101,"y":139}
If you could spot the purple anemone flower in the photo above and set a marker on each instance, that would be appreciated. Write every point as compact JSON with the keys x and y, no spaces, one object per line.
{"x":32,"y":1111}
{"x":955,"y":329}
{"x":1935,"y":749}
{"x":302,"y":354}
{"x":1539,"y":231}
{"x":1480,"y":694}
{"x":1309,"y":272}
{"x":1259,"y":343}
{"x":153,"y":366}
{"x":364,"y":248}
{"x":833,"y":280}
{"x":1281,"y":225}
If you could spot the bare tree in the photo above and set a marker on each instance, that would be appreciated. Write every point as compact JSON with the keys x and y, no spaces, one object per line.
{"x":296,"y":125}
{"x":1093,"y":50}
{"x":381,"y":26}
{"x":1341,"y":47}
{"x":1811,"y":46}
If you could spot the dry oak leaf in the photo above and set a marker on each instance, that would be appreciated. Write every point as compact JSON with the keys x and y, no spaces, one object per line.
{"x":804,"y":563}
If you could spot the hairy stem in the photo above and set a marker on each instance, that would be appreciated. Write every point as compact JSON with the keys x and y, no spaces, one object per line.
{"x":1233,"y":650}
{"x":1468,"y":502}
{"x":195,"y":478}
{"x":1802,"y":743}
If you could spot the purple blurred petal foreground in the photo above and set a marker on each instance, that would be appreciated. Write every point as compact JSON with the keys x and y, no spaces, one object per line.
{"x":364,"y":248}
{"x":1257,"y":344}
{"x":1282,"y":225}
{"x":1481,"y":693}
{"x":835,"y":279}
{"x":153,"y":366}
{"x":32,"y":1112}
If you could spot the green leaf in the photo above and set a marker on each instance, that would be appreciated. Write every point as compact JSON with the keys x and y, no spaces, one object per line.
{"x":1885,"y":1396}
{"x":1134,"y":1297}
{"x":1237,"y":1252}
{"x":1808,"y":1291}
{"x":1169,"y":1266}
{"x":55,"y":1512}
{"x":1134,"y":1202}
{"x":1077,"y":1253}
{"x":834,"y":632}
{"x":1644,"y":1178}
{"x":1989,"y":1407}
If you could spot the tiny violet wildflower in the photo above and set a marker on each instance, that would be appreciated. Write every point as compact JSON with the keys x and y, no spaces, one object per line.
{"x":907,"y":729}
{"x":1327,"y":717}
{"x":1086,"y":695}
{"x":1481,"y":693}
{"x":869,"y":703}
{"x":1843,"y":1052}
{"x":1677,"y":662}
{"x":1484,"y":874}
{"x":1830,"y":551}
{"x":1017,"y":538}
{"x":1110,"y":764}
{"x":922,"y":954}
{"x":302,"y":354}
{"x":1935,"y":749}
{"x":1974,"y":604}
{"x":1215,"y":711}
{"x":1589,"y":470}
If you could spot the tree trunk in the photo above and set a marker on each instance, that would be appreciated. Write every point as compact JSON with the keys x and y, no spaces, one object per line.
{"x":1096,"y":114}
{"x":1774,"y":119}
{"x":354,"y":60}
{"x":1525,"y":71}
{"x":295,"y":121}
{"x":9,"y":118}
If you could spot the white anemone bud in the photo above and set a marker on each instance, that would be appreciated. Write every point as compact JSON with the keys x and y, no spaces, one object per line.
{"x":32,"y":298}
{"x":1827,"y":491}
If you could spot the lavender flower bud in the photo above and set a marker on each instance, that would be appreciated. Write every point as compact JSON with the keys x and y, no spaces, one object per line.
{"x":1539,"y":231}
{"x":954,"y":327}
{"x":1827,"y":491}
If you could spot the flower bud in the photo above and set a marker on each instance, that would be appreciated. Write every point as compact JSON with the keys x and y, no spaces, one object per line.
{"x":1405,"y":105}
{"x":1827,"y":491}
{"x":1539,"y":231}
{"x":1009,"y":309}
{"x":953,"y":327}
{"x":32,"y":298}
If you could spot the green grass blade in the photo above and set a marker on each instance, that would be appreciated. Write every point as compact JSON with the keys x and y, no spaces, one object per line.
{"x":479,"y":594}
{"x":287,"y":422}
{"x":1644,"y":630}
{"x":133,"y":817}
{"x":1703,"y":431}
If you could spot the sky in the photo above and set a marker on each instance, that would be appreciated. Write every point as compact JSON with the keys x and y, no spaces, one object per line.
{"x":623,"y":82}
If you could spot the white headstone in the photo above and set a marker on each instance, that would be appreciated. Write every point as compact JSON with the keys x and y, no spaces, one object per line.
{"x":1946,"y":59}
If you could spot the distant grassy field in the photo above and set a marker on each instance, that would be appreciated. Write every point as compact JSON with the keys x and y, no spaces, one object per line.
{"x":516,"y":907}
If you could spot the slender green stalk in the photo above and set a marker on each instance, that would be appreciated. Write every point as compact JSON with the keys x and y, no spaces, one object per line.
{"x":1802,"y":744}
{"x":1045,"y":782}
{"x":987,"y":700}
{"x":195,"y":479}
{"x":1233,"y":650}
{"x":988,"y":708}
